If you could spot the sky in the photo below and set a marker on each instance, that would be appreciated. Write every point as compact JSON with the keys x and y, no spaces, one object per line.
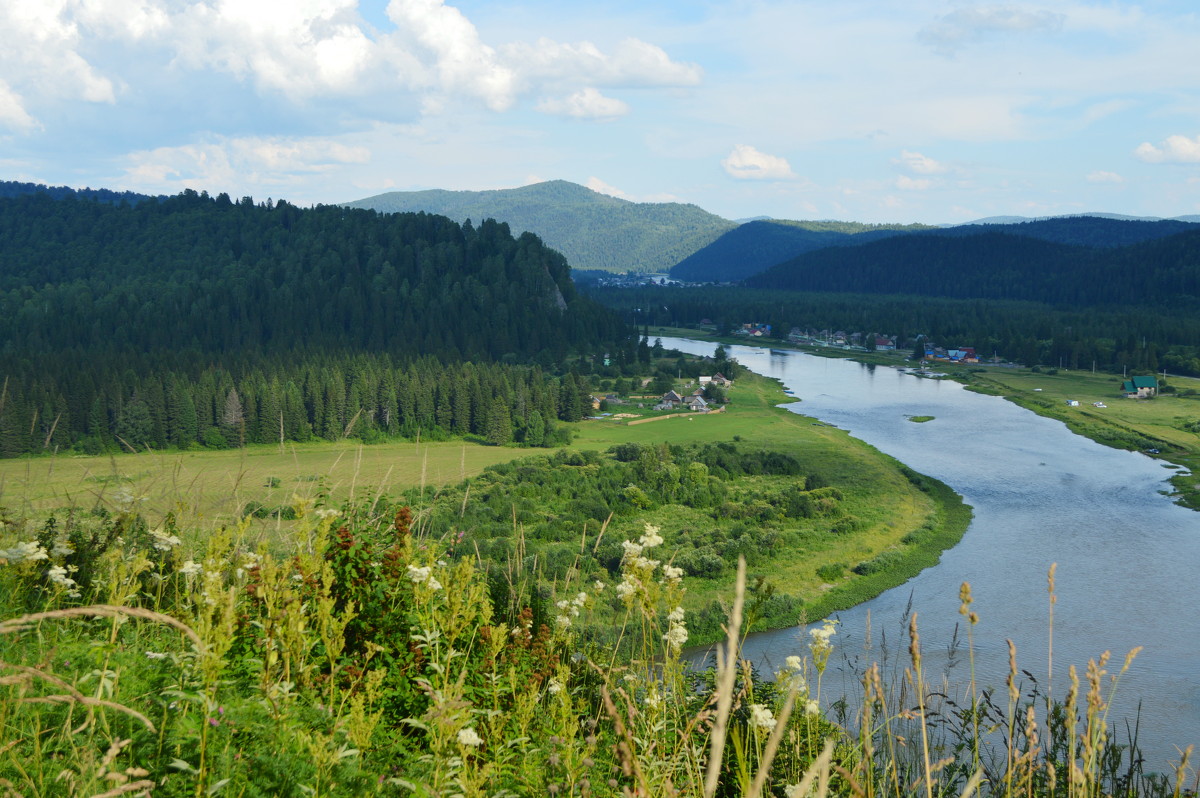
{"x":934,"y":111}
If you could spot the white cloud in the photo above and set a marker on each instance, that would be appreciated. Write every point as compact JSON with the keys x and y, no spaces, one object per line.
{"x":1176,"y":149}
{"x":920,"y":164}
{"x":632,"y":63}
{"x":238,"y":164}
{"x":464,"y":64}
{"x":1105,"y":177}
{"x":13,"y":115}
{"x":585,"y":104}
{"x":747,"y":163}
{"x":40,"y":56}
{"x":953,"y":31}
{"x":913,"y":183}
{"x":598,"y":185}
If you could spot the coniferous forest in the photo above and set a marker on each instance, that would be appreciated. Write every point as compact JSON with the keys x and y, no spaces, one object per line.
{"x":197,"y":320}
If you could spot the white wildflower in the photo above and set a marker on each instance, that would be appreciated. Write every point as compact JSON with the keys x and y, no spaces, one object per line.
{"x":652,"y":700}
{"x":62,"y":548}
{"x":190,"y":568}
{"x":676,"y":636}
{"x":628,"y":587}
{"x":761,"y":717}
{"x":672,"y":573}
{"x":555,"y":686}
{"x":676,"y":615}
{"x":793,"y":791}
{"x":794,"y":663}
{"x":161,"y":541}
{"x":469,"y":737}
{"x":651,"y":538}
{"x":580,"y":599}
{"x":811,"y":707}
{"x":564,"y":621}
{"x":597,"y":585}
{"x":644,"y":563}
{"x":631,"y":549}
{"x":563,"y":604}
{"x":58,"y":575}
{"x":419,"y":575}
{"x":433,"y":584}
{"x":27,"y":551}
{"x":327,"y":512}
{"x":155,"y":655}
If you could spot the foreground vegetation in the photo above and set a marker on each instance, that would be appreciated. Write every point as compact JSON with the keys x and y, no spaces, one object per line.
{"x":368,"y":659}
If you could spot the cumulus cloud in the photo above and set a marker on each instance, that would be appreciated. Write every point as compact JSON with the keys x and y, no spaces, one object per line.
{"x":951,"y":33}
{"x":238,"y":164}
{"x":1105,"y":177}
{"x":585,"y":104}
{"x":748,"y":163}
{"x":13,"y":115}
{"x":920,"y":164}
{"x":1176,"y":149}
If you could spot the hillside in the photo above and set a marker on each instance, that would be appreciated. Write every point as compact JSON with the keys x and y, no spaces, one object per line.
{"x":593,"y":230}
{"x":756,"y":246}
{"x":197,"y":320}
{"x":999,"y":265}
{"x":12,"y":188}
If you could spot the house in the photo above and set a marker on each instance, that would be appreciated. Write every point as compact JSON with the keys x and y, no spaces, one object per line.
{"x":719,"y":379}
{"x":1140,"y":387}
{"x":671,"y":396}
{"x":1072,"y":403}
{"x":596,"y":400}
{"x":884,"y":344}
{"x":697,"y":404}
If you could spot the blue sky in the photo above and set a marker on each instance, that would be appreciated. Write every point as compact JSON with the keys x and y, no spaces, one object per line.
{"x":910,"y":111}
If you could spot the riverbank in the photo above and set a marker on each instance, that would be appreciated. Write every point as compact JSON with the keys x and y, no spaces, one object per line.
{"x":1157,"y":427}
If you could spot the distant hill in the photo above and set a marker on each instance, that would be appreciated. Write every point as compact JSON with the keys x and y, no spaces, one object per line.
{"x":989,"y":264}
{"x":593,"y":230}
{"x":756,"y":246}
{"x":11,"y":188}
{"x":1100,"y":230}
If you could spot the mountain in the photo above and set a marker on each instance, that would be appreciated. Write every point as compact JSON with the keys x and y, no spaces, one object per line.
{"x":593,"y":230}
{"x":1093,"y":230}
{"x":990,"y":264}
{"x":756,"y":246}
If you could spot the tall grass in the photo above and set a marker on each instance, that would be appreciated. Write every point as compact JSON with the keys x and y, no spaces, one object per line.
{"x":369,"y":658}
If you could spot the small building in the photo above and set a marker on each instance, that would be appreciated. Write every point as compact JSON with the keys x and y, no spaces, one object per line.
{"x":1140,"y":387}
{"x":1072,"y":403}
{"x":697,"y":404}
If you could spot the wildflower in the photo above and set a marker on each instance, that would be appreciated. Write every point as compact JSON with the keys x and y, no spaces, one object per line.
{"x":190,"y":568}
{"x":673,"y":574}
{"x":419,"y":575}
{"x":628,"y":587}
{"x":580,"y":599}
{"x":652,"y":699}
{"x":27,"y":551}
{"x":598,"y":585}
{"x":155,"y":655}
{"x":794,"y":663}
{"x":62,"y":548}
{"x":555,"y":686}
{"x":651,"y":538}
{"x":161,"y":541}
{"x":676,"y":636}
{"x":793,"y":791}
{"x":631,"y":549}
{"x":433,"y":584}
{"x":676,"y":615}
{"x":630,"y":677}
{"x":469,"y":737}
{"x":761,"y":717}
{"x":327,"y":512}
{"x":811,"y":707}
{"x":58,"y":575}
{"x":820,"y":645}
{"x":644,"y":563}
{"x":564,"y":621}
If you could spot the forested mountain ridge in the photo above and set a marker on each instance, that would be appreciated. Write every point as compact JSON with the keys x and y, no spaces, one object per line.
{"x":593,"y":230}
{"x":757,"y":246}
{"x":999,"y":265}
{"x":198,"y":320}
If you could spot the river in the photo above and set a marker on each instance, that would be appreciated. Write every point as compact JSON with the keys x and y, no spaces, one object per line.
{"x":1128,"y":559}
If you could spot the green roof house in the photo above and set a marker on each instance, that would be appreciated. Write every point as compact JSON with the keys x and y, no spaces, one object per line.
{"x":1140,"y":387}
